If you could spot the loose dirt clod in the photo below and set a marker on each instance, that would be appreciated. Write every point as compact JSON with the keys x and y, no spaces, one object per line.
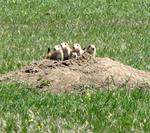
{"x":60,"y":76}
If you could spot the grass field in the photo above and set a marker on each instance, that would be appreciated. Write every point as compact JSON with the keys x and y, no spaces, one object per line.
{"x":119,"y":29}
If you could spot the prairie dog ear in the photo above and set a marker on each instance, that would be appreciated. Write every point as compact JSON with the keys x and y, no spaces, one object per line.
{"x":48,"y":50}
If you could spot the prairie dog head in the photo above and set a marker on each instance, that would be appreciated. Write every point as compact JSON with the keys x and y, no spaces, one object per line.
{"x":91,"y":49}
{"x":64,"y":45}
{"x":74,"y":55}
{"x":77,"y":48}
{"x":56,"y":53}
{"x":57,"y":48}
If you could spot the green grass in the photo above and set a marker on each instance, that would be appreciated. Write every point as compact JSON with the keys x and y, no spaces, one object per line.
{"x":99,"y":111}
{"x":119,"y":29}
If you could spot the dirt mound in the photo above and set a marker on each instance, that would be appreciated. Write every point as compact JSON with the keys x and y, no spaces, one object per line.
{"x":60,"y":76}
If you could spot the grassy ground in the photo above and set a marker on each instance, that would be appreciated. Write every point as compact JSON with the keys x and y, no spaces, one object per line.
{"x":120,"y":30}
{"x":25,"y":109}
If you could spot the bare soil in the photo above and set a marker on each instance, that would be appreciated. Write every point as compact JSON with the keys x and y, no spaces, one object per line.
{"x":60,"y":76}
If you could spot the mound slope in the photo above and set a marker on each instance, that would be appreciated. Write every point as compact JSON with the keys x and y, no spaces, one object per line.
{"x":60,"y":76}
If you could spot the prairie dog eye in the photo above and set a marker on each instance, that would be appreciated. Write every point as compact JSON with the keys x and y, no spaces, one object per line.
{"x":78,"y":45}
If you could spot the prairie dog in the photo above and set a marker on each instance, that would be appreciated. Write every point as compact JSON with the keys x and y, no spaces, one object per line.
{"x":77,"y":48}
{"x":74,"y":55}
{"x":91,"y":49}
{"x":66,"y":50}
{"x":56,"y":54}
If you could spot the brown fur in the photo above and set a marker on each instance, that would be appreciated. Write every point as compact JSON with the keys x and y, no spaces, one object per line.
{"x":56,"y":54}
{"x":77,"y":48}
{"x":66,"y":50}
{"x":91,"y":49}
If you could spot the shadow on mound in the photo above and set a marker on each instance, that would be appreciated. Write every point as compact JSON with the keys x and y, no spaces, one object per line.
{"x":60,"y":76}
